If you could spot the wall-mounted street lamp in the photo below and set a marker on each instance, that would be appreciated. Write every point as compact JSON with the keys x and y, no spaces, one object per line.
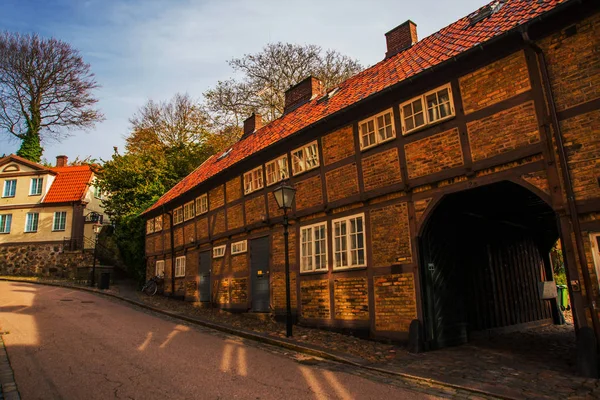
{"x":284,"y":195}
{"x":97,"y":227}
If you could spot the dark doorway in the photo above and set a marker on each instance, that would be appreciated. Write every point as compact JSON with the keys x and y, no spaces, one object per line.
{"x":259,"y":270}
{"x":484,"y":253}
{"x":204,"y":272}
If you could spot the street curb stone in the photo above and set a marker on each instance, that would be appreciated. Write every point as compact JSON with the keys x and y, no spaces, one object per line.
{"x":288,"y":344}
{"x":8,"y":386}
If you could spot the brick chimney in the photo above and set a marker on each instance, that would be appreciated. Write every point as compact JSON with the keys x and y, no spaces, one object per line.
{"x":302,"y":92}
{"x":61,"y":161}
{"x":401,"y":38}
{"x":252,"y":124}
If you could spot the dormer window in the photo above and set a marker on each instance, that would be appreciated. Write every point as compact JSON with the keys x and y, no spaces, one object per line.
{"x":428,"y":109}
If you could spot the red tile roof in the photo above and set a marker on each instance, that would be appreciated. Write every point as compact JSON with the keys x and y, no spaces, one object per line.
{"x":441,"y":46}
{"x":71,"y":184}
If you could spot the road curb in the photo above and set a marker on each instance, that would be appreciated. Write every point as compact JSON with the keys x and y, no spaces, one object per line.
{"x":287,"y":344}
{"x":8,"y":386}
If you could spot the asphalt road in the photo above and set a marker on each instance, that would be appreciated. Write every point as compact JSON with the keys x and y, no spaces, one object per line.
{"x":68,"y":344}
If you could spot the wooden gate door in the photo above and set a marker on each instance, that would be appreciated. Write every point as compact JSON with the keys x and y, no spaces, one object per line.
{"x":259,"y":270}
{"x":204,"y":272}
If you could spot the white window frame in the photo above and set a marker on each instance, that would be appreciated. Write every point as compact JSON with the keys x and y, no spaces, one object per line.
{"x":188,"y":211}
{"x":376,"y":128}
{"x":5,"y":192}
{"x":253,"y":180}
{"x":279,"y":170}
{"x":5,"y":223}
{"x":300,"y":157}
{"x":202,"y":204}
{"x":158,"y":223}
{"x":180,"y":267}
{"x":149,"y":226}
{"x":38,"y":187}
{"x":36,"y":218}
{"x":239,"y":247}
{"x":596,"y":253}
{"x":54,"y":220}
{"x":347,"y":241}
{"x":159,"y":268}
{"x":97,"y":192}
{"x":423,"y":99}
{"x":219,"y":251}
{"x":178,"y":215}
{"x":312,"y":257}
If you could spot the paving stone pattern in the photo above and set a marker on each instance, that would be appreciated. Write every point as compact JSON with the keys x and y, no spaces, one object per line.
{"x":8,"y":387}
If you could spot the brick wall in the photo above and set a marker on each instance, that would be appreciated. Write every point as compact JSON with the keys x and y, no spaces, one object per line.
{"x":167,"y":241}
{"x":235,"y":216}
{"x":420,"y":207}
{"x":189,"y":232}
{"x":178,"y":236}
{"x":395,"y":302}
{"x":255,"y":209}
{"x":202,"y":227}
{"x":504,"y":131}
{"x":381,"y":169}
{"x":233,"y":189}
{"x":239,"y":263}
{"x":539,"y":179}
{"x":342,"y":182}
{"x":220,"y":265}
{"x":351,"y":298}
{"x":495,"y":82}
{"x":238,"y":290}
{"x":149,"y":245}
{"x":191,"y":275}
{"x":218,"y":222}
{"x":338,"y":145}
{"x":390,"y":235}
{"x":309,"y":193}
{"x":158,"y":243}
{"x":216,"y":197}
{"x":582,"y":143}
{"x":278,"y":267}
{"x":221,"y":291}
{"x":433,"y":154}
{"x":274,"y":210}
{"x":315,"y":300}
{"x":573,"y":63}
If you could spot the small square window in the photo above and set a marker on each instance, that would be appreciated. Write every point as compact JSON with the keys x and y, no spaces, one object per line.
{"x":160,"y":268}
{"x":219,"y":251}
{"x":188,"y":211}
{"x":305,"y":158}
{"x":31,"y":222}
{"x":178,"y":216}
{"x":239,"y":247}
{"x":149,"y":226}
{"x":430,"y":108}
{"x":202,"y":204}
{"x":10,"y":188}
{"x":253,"y":180}
{"x":277,"y":170}
{"x":60,"y":221}
{"x":5,"y":223}
{"x":377,"y":129}
{"x":158,"y":222}
{"x":36,"y":186}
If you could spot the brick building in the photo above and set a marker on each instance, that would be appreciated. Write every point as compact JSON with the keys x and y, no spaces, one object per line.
{"x":430,"y":186}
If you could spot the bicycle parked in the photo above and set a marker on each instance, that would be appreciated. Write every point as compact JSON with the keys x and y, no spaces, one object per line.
{"x":152,"y":286}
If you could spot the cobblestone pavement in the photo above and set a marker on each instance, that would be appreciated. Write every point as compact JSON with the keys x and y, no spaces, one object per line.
{"x":8,"y":388}
{"x":537,"y":363}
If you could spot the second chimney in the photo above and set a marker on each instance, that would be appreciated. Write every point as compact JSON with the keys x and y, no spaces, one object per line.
{"x":61,"y":161}
{"x":252,"y":124}
{"x":302,"y":92}
{"x":401,"y":38}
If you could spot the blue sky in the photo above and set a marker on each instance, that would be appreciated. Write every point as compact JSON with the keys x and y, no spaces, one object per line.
{"x":152,"y":49}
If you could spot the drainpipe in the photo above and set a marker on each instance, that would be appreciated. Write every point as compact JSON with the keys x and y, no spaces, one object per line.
{"x":170,"y":214}
{"x":562,"y":155}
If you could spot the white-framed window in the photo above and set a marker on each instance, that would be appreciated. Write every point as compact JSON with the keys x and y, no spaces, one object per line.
{"x":97,"y":192}
{"x":429,"y":108}
{"x":253,"y":180}
{"x":10,"y":188}
{"x":5,"y":222}
{"x":180,"y":266}
{"x":595,"y":240}
{"x":202,"y":204}
{"x":377,"y":129}
{"x":305,"y":158}
{"x":239,"y":247}
{"x":160,"y":268}
{"x":158,"y":222}
{"x":59,"y":222}
{"x":177,"y":215}
{"x":150,"y":226}
{"x":31,"y":222}
{"x":219,"y":251}
{"x":349,"y":242}
{"x":36,"y":186}
{"x":277,"y":170}
{"x":313,"y":248}
{"x":188,"y":211}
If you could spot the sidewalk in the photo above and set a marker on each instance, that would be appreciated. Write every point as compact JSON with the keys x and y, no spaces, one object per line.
{"x":538,"y":363}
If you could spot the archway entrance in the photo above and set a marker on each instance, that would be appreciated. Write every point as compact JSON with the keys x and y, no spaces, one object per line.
{"x":484,"y":252}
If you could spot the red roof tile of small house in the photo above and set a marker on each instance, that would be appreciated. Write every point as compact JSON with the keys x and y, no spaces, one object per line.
{"x":71,"y":184}
{"x":433,"y":50}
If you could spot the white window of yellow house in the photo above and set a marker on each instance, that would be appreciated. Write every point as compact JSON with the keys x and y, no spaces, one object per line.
{"x":160,"y":268}
{"x":150,"y":226}
{"x":239,"y":247}
{"x":377,"y":129}
{"x":349,"y":242}
{"x":253,"y":180}
{"x":202,"y":204}
{"x":305,"y":158}
{"x":10,"y":188}
{"x":178,"y":216}
{"x":59,"y":223}
{"x":180,"y":266}
{"x":219,"y":251}
{"x":31,"y":222}
{"x":313,"y":248}
{"x":277,"y":170}
{"x":5,"y":222}
{"x":158,"y":223}
{"x":35,"y":188}
{"x":97,"y":192}
{"x":188,"y":211}
{"x":432,"y":107}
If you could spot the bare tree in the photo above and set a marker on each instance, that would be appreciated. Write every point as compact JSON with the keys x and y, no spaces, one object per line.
{"x":268,"y":74}
{"x":45,"y":91}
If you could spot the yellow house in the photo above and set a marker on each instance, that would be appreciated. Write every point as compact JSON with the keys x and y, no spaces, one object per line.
{"x":45,"y":211}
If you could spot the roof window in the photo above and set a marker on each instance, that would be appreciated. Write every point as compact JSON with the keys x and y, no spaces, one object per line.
{"x":225,"y":154}
{"x":485,"y":12}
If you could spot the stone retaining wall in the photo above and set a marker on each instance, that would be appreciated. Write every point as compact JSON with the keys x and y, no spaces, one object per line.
{"x":41,"y":260}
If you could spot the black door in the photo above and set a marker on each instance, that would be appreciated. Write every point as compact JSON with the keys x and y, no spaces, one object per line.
{"x":204,"y":272}
{"x":259,"y":270}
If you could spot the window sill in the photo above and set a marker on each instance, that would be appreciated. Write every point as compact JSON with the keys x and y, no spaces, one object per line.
{"x":253,"y":191}
{"x":29,"y":231}
{"x":58,"y":230}
{"x":306,"y":170}
{"x":4,"y":233}
{"x":34,"y":194}
{"x":354,"y":268}
{"x":429,"y":125}
{"x":8,"y":197}
{"x":319,"y":272}
{"x":378,"y":143}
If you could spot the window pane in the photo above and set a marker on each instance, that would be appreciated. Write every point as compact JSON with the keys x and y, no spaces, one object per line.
{"x":407,"y":110}
{"x":298,"y":161}
{"x":409,"y":124}
{"x":417,"y":106}
{"x":419,"y":119}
